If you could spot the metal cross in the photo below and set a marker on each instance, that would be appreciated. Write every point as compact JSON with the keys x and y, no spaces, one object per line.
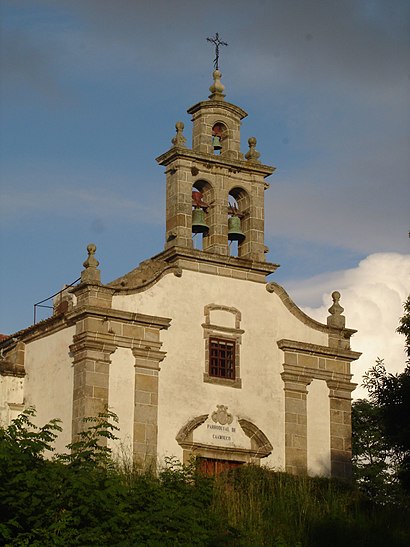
{"x":217,"y":42}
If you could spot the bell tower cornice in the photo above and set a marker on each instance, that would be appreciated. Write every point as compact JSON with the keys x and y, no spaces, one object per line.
{"x":210,"y":161}
{"x":215,"y":104}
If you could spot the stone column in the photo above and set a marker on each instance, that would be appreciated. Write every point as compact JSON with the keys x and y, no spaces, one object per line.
{"x":216,"y":241}
{"x":91,"y":361}
{"x":178,"y":205}
{"x":146,"y":405}
{"x":295,"y":422}
{"x":340,"y":428}
{"x":253,"y":247}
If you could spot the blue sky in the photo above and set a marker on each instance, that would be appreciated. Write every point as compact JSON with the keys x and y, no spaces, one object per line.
{"x":91,"y":91}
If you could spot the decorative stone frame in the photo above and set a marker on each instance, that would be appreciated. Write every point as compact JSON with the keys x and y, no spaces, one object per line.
{"x":226,"y":333}
{"x":303,"y":362}
{"x":260,"y":444}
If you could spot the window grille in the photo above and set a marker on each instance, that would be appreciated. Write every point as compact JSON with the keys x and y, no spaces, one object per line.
{"x":222,"y":358}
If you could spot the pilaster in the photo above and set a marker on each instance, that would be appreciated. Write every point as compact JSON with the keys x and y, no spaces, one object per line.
{"x":146,"y":405}
{"x":295,"y":388}
{"x":340,"y":428}
{"x":91,"y":361}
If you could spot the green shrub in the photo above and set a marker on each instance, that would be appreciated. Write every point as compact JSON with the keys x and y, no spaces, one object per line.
{"x":85,"y":498}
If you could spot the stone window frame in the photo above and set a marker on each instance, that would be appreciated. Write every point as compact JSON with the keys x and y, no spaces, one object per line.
{"x":229,"y":334}
{"x":222,"y":364}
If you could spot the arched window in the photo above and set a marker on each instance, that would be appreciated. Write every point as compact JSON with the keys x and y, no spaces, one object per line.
{"x":201,"y":197}
{"x":218,"y":137}
{"x":238,"y":205}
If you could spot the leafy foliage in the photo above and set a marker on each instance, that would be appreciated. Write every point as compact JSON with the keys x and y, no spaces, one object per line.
{"x":85,"y":498}
{"x":374,"y":460}
{"x":381,"y":428}
{"x":81,"y":498}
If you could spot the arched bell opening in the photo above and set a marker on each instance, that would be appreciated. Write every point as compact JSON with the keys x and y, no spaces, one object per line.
{"x":219,"y":133}
{"x":238,"y":207}
{"x":201,"y":198}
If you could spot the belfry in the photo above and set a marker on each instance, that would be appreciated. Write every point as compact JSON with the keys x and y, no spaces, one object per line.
{"x":194,"y":350}
{"x":217,"y":170}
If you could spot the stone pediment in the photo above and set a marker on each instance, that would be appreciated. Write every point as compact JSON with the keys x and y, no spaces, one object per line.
{"x":225,"y":432}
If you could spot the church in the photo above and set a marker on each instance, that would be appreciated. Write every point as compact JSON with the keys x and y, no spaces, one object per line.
{"x":197,"y":353}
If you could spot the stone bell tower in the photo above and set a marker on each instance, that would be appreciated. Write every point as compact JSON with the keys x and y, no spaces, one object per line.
{"x":229,"y":185}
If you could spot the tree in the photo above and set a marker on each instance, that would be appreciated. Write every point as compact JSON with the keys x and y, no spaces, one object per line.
{"x":381,"y":425}
{"x":373,"y":457}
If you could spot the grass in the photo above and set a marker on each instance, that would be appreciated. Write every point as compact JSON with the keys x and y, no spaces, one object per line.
{"x":270,"y":508}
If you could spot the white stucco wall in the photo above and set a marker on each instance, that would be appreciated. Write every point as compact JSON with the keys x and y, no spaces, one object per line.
{"x":182,"y":392}
{"x":121,"y":401}
{"x":11,"y":398}
{"x":49,"y":381}
{"x":318,"y":429}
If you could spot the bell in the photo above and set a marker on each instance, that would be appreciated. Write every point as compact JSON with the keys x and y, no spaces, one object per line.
{"x":216,"y":142}
{"x":199,"y":225}
{"x":234,"y":229}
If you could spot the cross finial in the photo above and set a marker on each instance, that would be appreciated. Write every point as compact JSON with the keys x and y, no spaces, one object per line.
{"x":217,"y":42}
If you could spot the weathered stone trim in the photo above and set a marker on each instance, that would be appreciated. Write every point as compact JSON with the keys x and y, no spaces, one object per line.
{"x":313,"y":373}
{"x":316,"y":349}
{"x":151,"y":357}
{"x":295,"y":387}
{"x":143,"y":277}
{"x":145,"y":431}
{"x":91,"y":360}
{"x":120,"y":315}
{"x":227,"y":333}
{"x":208,"y":160}
{"x":33,"y":332}
{"x":237,"y":383}
{"x":273,"y":287}
{"x":60,"y":322}
{"x":227,"y":330}
{"x":12,"y":363}
{"x":218,"y":105}
{"x":16,"y":407}
{"x":340,"y":429}
{"x":184,"y":435}
{"x":220,"y":307}
{"x":178,"y":259}
{"x":100,"y":330}
{"x":260,"y":445}
{"x":304,"y":362}
{"x":175,"y":254}
{"x":259,"y":441}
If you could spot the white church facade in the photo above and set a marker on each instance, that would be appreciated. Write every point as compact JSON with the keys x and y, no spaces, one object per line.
{"x":196,"y":353}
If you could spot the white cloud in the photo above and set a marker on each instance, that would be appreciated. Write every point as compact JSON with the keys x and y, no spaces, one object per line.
{"x":372,"y":296}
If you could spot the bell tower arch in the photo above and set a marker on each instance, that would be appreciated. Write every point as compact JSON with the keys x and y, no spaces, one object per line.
{"x":215,"y":157}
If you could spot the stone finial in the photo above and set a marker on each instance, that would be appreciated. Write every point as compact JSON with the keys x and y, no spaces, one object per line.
{"x":217,"y":88}
{"x":179,"y":140}
{"x":336,"y":319}
{"x":91,"y":274}
{"x":252,"y":155}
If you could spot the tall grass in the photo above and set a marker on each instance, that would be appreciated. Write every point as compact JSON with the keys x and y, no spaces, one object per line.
{"x":270,"y":508}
